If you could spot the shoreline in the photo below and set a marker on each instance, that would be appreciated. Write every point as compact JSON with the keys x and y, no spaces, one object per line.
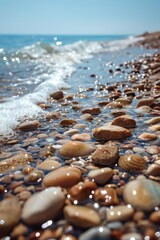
{"x":106,"y":137}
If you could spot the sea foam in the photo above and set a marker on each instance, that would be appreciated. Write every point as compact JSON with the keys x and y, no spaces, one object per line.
{"x":60,"y":63}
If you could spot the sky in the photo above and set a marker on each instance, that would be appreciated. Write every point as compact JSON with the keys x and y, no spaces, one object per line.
{"x":79,"y":16}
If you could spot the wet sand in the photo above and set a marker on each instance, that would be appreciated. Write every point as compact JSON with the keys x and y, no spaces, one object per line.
{"x":90,"y":167}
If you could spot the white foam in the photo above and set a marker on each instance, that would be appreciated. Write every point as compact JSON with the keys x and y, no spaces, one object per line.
{"x":60,"y":61}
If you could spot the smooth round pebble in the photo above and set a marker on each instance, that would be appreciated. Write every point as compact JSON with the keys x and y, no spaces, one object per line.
{"x":142,"y":194}
{"x":75,"y":149}
{"x":119,"y":213}
{"x":80,"y":216}
{"x":49,"y":165}
{"x":43,"y":206}
{"x":64,"y":177}
{"x":100,"y":176}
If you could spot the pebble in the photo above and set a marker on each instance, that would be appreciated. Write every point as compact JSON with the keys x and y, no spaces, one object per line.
{"x":119,"y":213}
{"x":81,"y":216}
{"x":82,"y":190}
{"x":34,"y":177}
{"x":81,"y":137}
{"x":64,"y":177}
{"x":57,"y":95}
{"x":53,"y":116}
{"x":43,"y":206}
{"x":153,"y":149}
{"x":118,"y":113}
{"x":154,"y":128}
{"x":132,"y":163}
{"x":49,"y":165}
{"x":92,"y":111}
{"x":106,"y":155}
{"x":130,"y":236}
{"x":148,"y":136}
{"x":142,"y":194}
{"x":67,"y":122}
{"x":106,"y":196}
{"x":10,"y":212}
{"x":15,"y":162}
{"x":110,"y":133}
{"x":96,"y":233}
{"x":87,"y":117}
{"x":114,"y":105}
{"x":29,"y":125}
{"x":47,"y":151}
{"x":100,"y":176}
{"x":145,"y":102}
{"x":125,"y":121}
{"x":143,"y":109}
{"x":123,"y":101}
{"x":138,"y":150}
{"x":153,"y":120}
{"x":153,"y":169}
{"x":75,"y":149}
{"x":155,"y":217}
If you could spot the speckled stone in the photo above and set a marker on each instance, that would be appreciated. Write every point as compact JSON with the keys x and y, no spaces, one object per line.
{"x":106,"y":155}
{"x":67,"y":122}
{"x":110,"y":133}
{"x":64,"y":177}
{"x":125,"y":121}
{"x":43,"y":206}
{"x":80,"y":216}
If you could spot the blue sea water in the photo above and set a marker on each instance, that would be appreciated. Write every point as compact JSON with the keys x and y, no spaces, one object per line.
{"x":33,"y":66}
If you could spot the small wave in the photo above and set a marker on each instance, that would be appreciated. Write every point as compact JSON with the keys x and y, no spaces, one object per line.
{"x":60,"y":63}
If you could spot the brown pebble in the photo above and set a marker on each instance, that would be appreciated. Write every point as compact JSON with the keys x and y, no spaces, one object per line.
{"x":92,"y":111}
{"x":106,"y":155}
{"x":67,"y":122}
{"x":34,"y":177}
{"x":145,"y":102}
{"x":110,"y":133}
{"x":82,"y":190}
{"x":64,"y":177}
{"x":124,"y":121}
{"x":106,"y":196}
{"x":155,"y":217}
{"x":29,"y":125}
{"x":53,"y":116}
{"x":147,"y":136}
{"x":81,"y":216}
{"x":57,"y":95}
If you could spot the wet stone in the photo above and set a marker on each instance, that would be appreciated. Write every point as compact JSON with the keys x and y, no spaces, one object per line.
{"x":110,"y":133}
{"x":47,"y":151}
{"x":153,"y":120}
{"x":34,"y":177}
{"x":80,"y":216}
{"x":57,"y":95}
{"x":145,"y":102}
{"x":86,"y":117}
{"x":132,"y":163}
{"x":49,"y":165}
{"x":106,"y":155}
{"x":153,"y":169}
{"x":96,"y":233}
{"x":148,"y":136}
{"x":43,"y":206}
{"x":29,"y":125}
{"x":75,"y":149}
{"x":119,"y":213}
{"x":53,"y":116}
{"x":82,"y":190}
{"x":106,"y":196}
{"x":133,"y":235}
{"x":64,"y":177}
{"x":67,"y":122}
{"x":100,"y":176}
{"x":8,"y":220}
{"x":92,"y":111}
{"x":81,"y":137}
{"x":142,"y":194}
{"x":124,"y":121}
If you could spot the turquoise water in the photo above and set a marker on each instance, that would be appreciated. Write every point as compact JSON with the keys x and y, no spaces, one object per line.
{"x":32,"y":67}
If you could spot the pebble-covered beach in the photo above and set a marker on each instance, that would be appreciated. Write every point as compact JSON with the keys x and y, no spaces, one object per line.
{"x":88,"y":167}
